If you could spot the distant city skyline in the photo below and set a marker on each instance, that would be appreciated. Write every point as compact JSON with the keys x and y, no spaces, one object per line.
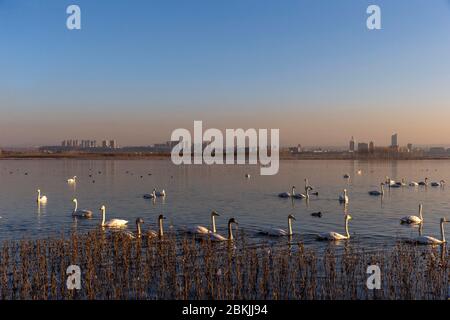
{"x":137,"y":71}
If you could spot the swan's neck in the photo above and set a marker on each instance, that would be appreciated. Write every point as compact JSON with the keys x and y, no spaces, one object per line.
{"x":346,"y":228}
{"x":138,"y":227}
{"x":161,"y":231}
{"x":103,"y":216}
{"x":230,"y":232}
{"x":213,"y":221}
{"x":307,"y":193}
{"x":420,"y":213}
{"x":289,"y":227}
{"x":293,"y":191}
{"x":76,"y":206}
{"x":306,"y":185}
{"x":39,"y":195}
{"x":382,"y":189}
{"x":442,"y":231}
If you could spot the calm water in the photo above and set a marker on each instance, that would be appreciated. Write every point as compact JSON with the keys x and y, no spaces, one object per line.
{"x":193,"y":191}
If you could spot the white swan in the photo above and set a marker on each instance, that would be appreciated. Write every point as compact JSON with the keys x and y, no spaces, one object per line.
{"x":428,"y":240}
{"x":287,"y":194}
{"x":247,"y":175}
{"x":150,"y":195}
{"x":204,"y":230}
{"x":218,"y":237}
{"x":80,"y":213}
{"x":343,"y":198}
{"x":72,"y":180}
{"x":413,"y":219}
{"x":301,"y":195}
{"x":376,"y":192}
{"x":160,"y":232}
{"x":333,"y":236}
{"x":413,"y":184}
{"x":113,"y":223}
{"x":161,"y":193}
{"x":277,"y":232}
{"x":40,"y":199}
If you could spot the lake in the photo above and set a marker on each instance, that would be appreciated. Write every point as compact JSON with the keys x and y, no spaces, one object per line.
{"x":194,"y":191}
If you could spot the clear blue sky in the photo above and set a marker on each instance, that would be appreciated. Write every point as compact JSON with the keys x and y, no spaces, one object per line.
{"x":139,"y":69}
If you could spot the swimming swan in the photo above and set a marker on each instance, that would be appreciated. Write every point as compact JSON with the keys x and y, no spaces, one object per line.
{"x":427,"y":240}
{"x":343,"y":198}
{"x":113,"y":223}
{"x":40,"y":199}
{"x":413,"y":219}
{"x":376,"y":192}
{"x":150,"y":195}
{"x":277,"y":232}
{"x":334,"y":236}
{"x":287,"y":194}
{"x":80,"y":213}
{"x":72,"y":180}
{"x":218,"y":237}
{"x":204,"y":230}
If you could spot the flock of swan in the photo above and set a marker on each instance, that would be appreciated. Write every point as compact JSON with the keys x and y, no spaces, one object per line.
{"x":344,"y":199}
{"x":213,"y":235}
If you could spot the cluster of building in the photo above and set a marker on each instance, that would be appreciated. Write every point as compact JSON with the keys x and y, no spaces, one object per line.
{"x":87,"y":144}
{"x":364,"y":147}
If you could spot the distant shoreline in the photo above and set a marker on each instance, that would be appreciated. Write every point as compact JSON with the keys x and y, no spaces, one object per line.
{"x":8,"y":155}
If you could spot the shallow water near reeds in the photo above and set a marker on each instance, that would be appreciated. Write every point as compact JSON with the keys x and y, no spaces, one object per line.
{"x":194,"y":191}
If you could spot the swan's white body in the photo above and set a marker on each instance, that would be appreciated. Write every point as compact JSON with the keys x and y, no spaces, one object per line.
{"x":413,"y":219}
{"x":287,"y":194}
{"x":376,"y":192}
{"x":278,"y":232}
{"x":413,"y":184}
{"x":41,"y":199}
{"x":343,"y":198}
{"x":72,"y":180}
{"x":334,"y":236}
{"x":80,"y":213}
{"x":428,"y":240}
{"x":113,"y":223}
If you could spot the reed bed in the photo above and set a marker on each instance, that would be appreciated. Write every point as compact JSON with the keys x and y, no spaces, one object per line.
{"x":114,"y":266}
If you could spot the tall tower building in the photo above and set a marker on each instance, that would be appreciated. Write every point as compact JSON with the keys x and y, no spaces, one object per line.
{"x":394,"y":140}
{"x":352,"y":145}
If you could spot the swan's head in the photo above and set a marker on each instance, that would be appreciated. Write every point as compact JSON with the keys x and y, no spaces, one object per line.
{"x":102,"y":208}
{"x":139,"y":221}
{"x":38,"y":190}
{"x":74,"y":200}
{"x":291,"y":217}
{"x":161,"y":217}
{"x":348,"y":217}
{"x":215,"y":214}
{"x":444,"y":220}
{"x":232,"y":220}
{"x":345,"y":190}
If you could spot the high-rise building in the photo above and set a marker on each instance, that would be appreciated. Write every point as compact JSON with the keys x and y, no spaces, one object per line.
{"x":112,"y":144}
{"x":394,"y":140}
{"x":363,"y":147}
{"x":371,"y":147}
{"x":104,"y":144}
{"x":352,"y":145}
{"x":409,"y":147}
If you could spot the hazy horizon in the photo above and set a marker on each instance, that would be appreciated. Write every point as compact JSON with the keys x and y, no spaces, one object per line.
{"x":137,"y":70}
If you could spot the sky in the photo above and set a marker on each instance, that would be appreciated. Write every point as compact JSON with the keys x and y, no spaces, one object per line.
{"x":139,"y":69}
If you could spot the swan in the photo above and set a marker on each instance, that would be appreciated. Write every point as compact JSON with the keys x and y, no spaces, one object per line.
{"x":317,"y":214}
{"x":204,"y":230}
{"x":343,"y":198}
{"x":428,"y":240}
{"x":161,"y":193}
{"x":160,"y":232}
{"x":346,"y":176}
{"x":413,"y":184}
{"x":287,"y":194}
{"x":301,"y":195}
{"x":150,"y":195}
{"x":72,"y":180}
{"x":80,"y":213}
{"x":413,"y":219}
{"x":424,"y":183}
{"x":333,"y":236}
{"x":277,"y":232}
{"x":438,"y":184}
{"x":218,"y":237}
{"x":376,"y":192}
{"x":40,"y":199}
{"x":247,"y":175}
{"x":113,"y":223}
{"x":389,"y":182}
